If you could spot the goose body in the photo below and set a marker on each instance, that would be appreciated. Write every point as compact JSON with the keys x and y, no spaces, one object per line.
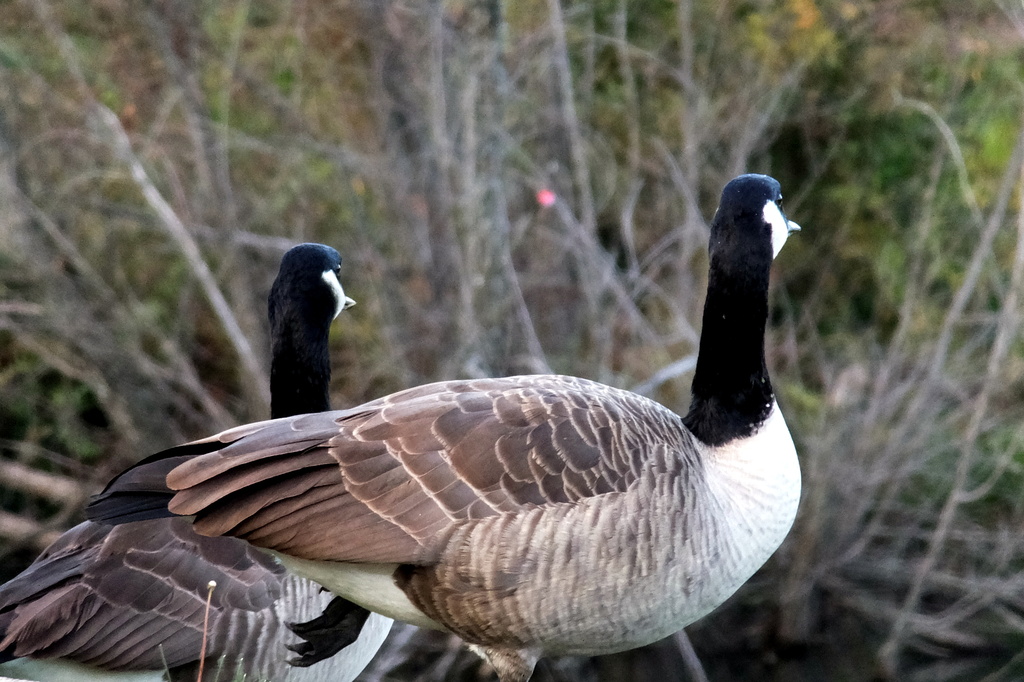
{"x":529,"y":515}
{"x":541,"y":582}
{"x":127,"y":602}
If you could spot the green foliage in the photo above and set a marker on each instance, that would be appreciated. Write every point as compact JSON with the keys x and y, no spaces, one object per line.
{"x":44,"y":407}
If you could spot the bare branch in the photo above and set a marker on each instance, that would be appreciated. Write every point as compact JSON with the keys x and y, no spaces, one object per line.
{"x":949,"y":137}
{"x":580,"y":165}
{"x":19,"y":530}
{"x":1006,"y":329}
{"x":693,"y":665}
{"x":41,"y":484}
{"x":177,"y":230}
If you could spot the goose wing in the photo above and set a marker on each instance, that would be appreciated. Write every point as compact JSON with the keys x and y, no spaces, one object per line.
{"x":133,"y":596}
{"x":388,"y":481}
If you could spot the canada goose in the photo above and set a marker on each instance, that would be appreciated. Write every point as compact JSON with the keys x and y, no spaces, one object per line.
{"x":132,"y":597}
{"x":529,"y":515}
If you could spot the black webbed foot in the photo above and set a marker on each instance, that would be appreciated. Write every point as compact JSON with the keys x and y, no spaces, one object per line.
{"x":327,"y":634}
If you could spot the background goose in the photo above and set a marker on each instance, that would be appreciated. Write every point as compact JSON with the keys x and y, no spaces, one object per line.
{"x":131,"y":598}
{"x":529,"y":515}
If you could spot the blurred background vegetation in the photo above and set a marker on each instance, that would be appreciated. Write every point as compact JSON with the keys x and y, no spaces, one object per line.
{"x":158,"y":157}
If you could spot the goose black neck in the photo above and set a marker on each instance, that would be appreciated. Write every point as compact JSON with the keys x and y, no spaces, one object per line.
{"x":300,"y":370}
{"x":732,"y":394}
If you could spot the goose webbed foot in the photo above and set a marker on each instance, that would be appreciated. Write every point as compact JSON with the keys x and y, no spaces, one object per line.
{"x":327,"y":634}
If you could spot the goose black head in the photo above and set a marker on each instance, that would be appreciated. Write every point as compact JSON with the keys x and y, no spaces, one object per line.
{"x":750,"y":217}
{"x":309,"y":277}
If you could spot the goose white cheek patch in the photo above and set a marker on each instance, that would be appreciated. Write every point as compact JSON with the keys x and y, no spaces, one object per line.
{"x":780,"y":226}
{"x":341,"y":301}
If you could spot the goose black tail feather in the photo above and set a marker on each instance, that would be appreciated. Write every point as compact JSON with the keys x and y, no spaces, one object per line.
{"x":140,"y":492}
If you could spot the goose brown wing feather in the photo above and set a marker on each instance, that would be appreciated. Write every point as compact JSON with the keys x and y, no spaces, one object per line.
{"x":284,"y":511}
{"x":126,"y":597}
{"x":409,"y":467}
{"x":255,"y":450}
{"x":237,"y":508}
{"x":270,"y":472}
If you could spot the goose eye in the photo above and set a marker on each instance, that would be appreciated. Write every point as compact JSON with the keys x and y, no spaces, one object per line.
{"x":778,"y":202}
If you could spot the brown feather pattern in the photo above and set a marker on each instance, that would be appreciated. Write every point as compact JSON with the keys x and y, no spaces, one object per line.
{"x":49,"y":610}
{"x":408,"y":467}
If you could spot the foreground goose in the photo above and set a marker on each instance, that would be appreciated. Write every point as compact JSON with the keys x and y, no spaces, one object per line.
{"x":529,"y":515}
{"x":132,"y":597}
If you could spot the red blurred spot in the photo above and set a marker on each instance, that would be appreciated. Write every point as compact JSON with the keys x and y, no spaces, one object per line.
{"x":546,"y":197}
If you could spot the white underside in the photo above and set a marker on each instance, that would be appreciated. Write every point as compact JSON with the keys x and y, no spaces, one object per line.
{"x":756,"y":480}
{"x":369,"y":585}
